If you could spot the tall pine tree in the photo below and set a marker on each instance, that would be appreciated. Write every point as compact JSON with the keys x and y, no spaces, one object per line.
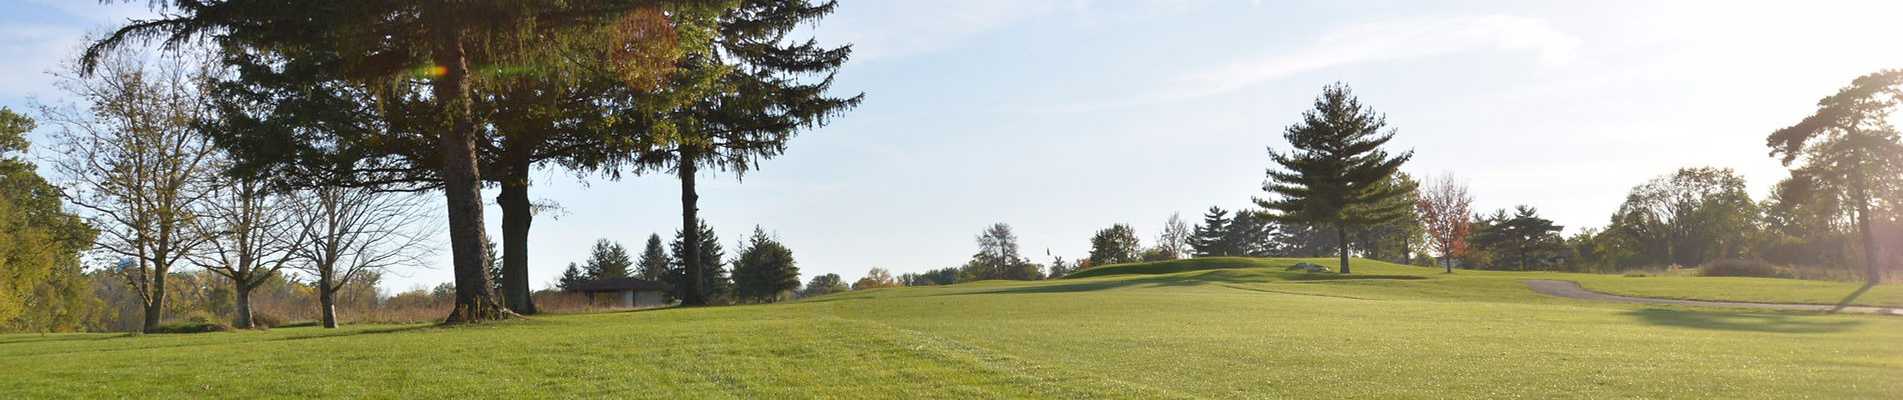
{"x":755,"y":104}
{"x":1210,"y":239}
{"x":608,"y":260}
{"x":1337,"y":175}
{"x":653,"y":263}
{"x":764,"y":270}
{"x":713,"y":281}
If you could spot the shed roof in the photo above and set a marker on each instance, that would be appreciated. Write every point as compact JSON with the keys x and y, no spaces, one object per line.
{"x":620,"y":284}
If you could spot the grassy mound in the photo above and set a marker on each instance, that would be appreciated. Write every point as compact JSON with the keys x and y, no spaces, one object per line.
{"x":1361,"y":266}
{"x":1215,"y":328}
{"x":1185,"y":265}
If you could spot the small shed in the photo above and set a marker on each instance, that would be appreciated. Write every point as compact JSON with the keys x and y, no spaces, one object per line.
{"x":629,"y":292}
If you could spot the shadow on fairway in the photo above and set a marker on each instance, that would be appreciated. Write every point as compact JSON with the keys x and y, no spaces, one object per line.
{"x":1769,"y":322}
{"x":328,"y":334}
{"x":1214,"y":277}
{"x":61,"y":337}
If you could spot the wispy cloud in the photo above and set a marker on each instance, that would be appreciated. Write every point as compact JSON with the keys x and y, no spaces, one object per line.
{"x":1388,"y":40}
{"x":36,"y":50}
{"x":902,"y":28}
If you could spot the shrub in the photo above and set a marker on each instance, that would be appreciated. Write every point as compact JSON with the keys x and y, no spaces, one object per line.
{"x":1750,"y":268}
{"x":266,"y":320}
{"x":193,"y":327}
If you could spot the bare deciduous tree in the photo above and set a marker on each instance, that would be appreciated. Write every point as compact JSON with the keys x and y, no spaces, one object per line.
{"x":131,"y":159}
{"x":1174,"y":240}
{"x":251,"y":234}
{"x":355,"y":231}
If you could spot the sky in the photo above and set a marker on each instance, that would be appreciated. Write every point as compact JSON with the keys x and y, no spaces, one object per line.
{"x":1063,"y":117}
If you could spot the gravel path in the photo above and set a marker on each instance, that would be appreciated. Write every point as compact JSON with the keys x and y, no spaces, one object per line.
{"x":1573,"y":291}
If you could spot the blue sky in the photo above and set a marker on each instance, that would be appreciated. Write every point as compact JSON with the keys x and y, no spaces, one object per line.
{"x":1062,"y":117}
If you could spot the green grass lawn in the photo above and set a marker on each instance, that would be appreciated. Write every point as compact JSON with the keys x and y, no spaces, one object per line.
{"x":1143,"y":331}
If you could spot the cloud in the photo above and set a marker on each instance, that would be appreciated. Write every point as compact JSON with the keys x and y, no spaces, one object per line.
{"x":1388,"y":40}
{"x":35,"y":50}
{"x":903,"y":28}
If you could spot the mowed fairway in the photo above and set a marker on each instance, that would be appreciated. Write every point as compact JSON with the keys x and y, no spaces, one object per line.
{"x":1188,"y":332}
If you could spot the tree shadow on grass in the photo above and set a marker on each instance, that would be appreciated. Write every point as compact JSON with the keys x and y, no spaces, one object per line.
{"x":59,"y":337}
{"x":330,"y":333}
{"x":1218,"y":277}
{"x":1769,"y":322}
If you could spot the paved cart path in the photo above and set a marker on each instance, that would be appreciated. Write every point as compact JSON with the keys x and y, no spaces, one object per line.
{"x":1573,"y":291}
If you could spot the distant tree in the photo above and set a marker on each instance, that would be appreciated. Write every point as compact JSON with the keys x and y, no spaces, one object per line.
{"x":42,"y":287}
{"x":1250,"y":234}
{"x":1307,"y":241}
{"x":1592,"y":250}
{"x":998,"y":256}
{"x":1059,"y":267}
{"x":1395,"y":240}
{"x":500,"y":274}
{"x":134,"y":163}
{"x":607,"y":260}
{"x":1174,"y":241}
{"x":1807,"y":223}
{"x":824,"y":285}
{"x":1337,"y":175}
{"x":571,"y":277}
{"x":876,"y":278}
{"x":1850,"y":144}
{"x":941,"y":276}
{"x":653,"y":263}
{"x":713,"y":281}
{"x":1444,"y":208}
{"x":764,"y":270}
{"x":1117,"y":244}
{"x":1210,"y":238}
{"x":355,"y":233}
{"x":1524,"y":237}
{"x":1687,"y":218}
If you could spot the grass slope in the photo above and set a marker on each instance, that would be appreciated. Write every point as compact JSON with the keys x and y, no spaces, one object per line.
{"x":1254,"y":331}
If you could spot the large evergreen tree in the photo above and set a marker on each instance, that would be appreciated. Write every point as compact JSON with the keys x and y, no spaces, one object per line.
{"x":1523,"y":236}
{"x":608,"y":260}
{"x":1211,"y":236}
{"x":714,"y":280}
{"x":1337,"y":175}
{"x":1250,"y":234}
{"x":434,"y":54}
{"x":764,"y":270}
{"x":755,"y":103}
{"x":572,"y":277}
{"x":653,"y":262}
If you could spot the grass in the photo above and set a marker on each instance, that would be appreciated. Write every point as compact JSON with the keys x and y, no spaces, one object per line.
{"x":1156,"y":331}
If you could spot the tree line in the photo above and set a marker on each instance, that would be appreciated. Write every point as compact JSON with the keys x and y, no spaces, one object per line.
{"x":1337,"y":190}
{"x":344,"y":107}
{"x":762,"y":270}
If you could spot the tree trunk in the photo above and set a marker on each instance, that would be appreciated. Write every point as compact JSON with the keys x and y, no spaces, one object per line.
{"x":155,"y":309}
{"x":153,"y":312}
{"x":243,"y":306}
{"x":516,"y":217}
{"x":1871,"y":260}
{"x":462,"y":188}
{"x":1447,"y":262}
{"x":1341,"y":233}
{"x":327,"y":303}
{"x":691,"y":294}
